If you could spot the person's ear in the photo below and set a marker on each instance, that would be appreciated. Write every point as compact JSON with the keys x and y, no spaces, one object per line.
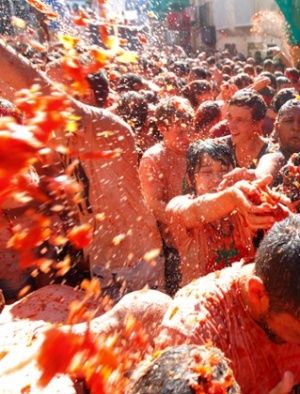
{"x":258,"y":295}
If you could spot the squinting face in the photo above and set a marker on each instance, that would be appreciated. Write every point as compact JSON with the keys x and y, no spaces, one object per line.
{"x":282,"y":328}
{"x":210,"y":175}
{"x":240,"y":123}
{"x":288,"y":130}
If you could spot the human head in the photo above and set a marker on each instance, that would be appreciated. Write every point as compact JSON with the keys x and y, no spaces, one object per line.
{"x":186,"y":369}
{"x":211,"y":61}
{"x":169,"y":83}
{"x":181,"y":69}
{"x":287,"y":127}
{"x":274,"y":289}
{"x":197,"y":73}
{"x":100,"y":86}
{"x":207,"y":162}
{"x":207,"y":115}
{"x":267,"y":93}
{"x":246,"y":112}
{"x":130,"y":81}
{"x":227,"y":69}
{"x":282,"y":97}
{"x":283,"y":83}
{"x":250,"y":70}
{"x":197,"y":92}
{"x":174,"y":116}
{"x":268,"y":65}
{"x":292,"y":74}
{"x":271,"y":77}
{"x":133,"y":108}
{"x":242,"y":80}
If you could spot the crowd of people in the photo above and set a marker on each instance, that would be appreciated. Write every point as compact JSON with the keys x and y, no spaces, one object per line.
{"x":192,"y":207}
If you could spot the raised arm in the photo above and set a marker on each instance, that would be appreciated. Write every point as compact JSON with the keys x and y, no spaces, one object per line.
{"x":18,"y":73}
{"x":213,"y":206}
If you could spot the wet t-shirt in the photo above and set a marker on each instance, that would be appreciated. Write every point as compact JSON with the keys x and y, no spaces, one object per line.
{"x":210,"y":246}
{"x":210,"y":310}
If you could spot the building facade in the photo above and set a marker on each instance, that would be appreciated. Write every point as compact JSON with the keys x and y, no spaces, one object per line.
{"x":229,"y":22}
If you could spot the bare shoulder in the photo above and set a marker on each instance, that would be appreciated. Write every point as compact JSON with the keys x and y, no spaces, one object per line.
{"x":156,"y":152}
{"x":101,"y":119}
{"x":179,"y":202}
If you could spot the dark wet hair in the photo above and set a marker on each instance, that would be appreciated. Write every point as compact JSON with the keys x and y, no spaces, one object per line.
{"x":133,"y":108}
{"x":180,"y":68}
{"x":281,"y":81}
{"x":268,"y":63}
{"x":206,"y":113}
{"x":290,"y":104}
{"x":259,"y":69}
{"x":252,"y":100}
{"x":249,"y":68}
{"x":277,"y":263}
{"x":242,"y":80}
{"x":226,"y":77}
{"x":278,"y":74}
{"x":282,"y":97}
{"x":211,"y":60}
{"x":195,"y":88}
{"x":199,"y":72}
{"x":129,"y":81}
{"x":271,"y":77}
{"x":186,"y":369}
{"x":217,"y":150}
{"x":100,"y":86}
{"x":173,"y":109}
{"x":150,"y":96}
{"x":293,"y":74}
{"x":227,"y":69}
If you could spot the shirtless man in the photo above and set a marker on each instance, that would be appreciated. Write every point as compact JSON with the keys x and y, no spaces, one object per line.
{"x":250,"y":312}
{"x":114,"y":190}
{"x":163,"y":166}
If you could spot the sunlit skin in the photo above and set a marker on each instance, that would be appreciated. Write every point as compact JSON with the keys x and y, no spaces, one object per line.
{"x":288,"y":130}
{"x":242,"y":127}
{"x":245,"y":135}
{"x":281,"y":327}
{"x":210,"y":175}
{"x":177,"y":136}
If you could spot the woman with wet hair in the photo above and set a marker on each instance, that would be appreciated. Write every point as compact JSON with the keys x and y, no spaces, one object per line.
{"x":212,"y":227}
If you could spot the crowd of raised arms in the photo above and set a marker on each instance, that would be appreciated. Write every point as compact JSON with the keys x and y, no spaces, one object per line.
{"x":184,"y":173}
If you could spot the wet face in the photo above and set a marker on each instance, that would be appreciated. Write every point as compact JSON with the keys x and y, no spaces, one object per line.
{"x":241,"y":125}
{"x":281,"y":327}
{"x":178,"y":135}
{"x":210,"y":175}
{"x":288,"y":130}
